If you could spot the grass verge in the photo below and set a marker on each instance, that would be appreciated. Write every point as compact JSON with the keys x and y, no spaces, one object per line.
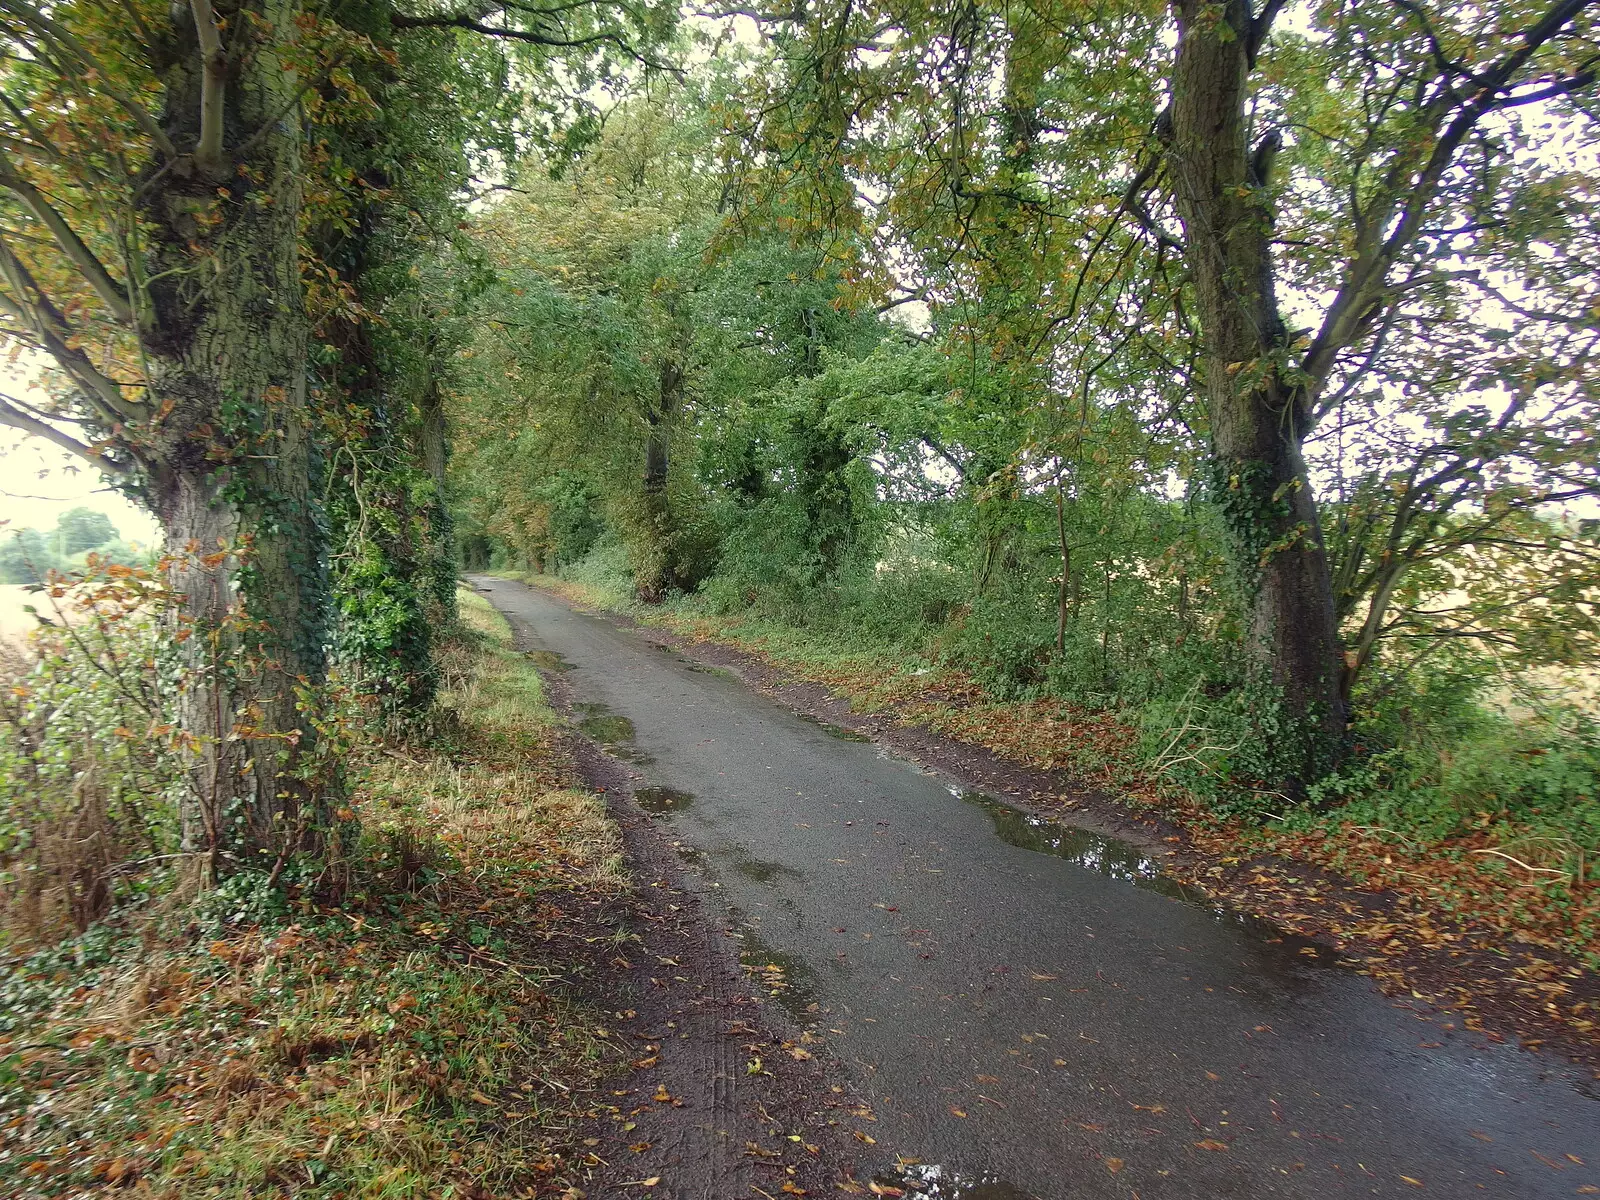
{"x":427,"y":1038}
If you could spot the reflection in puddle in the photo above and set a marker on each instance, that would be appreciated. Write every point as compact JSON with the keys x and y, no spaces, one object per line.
{"x":930,"y":1180}
{"x":547,"y":660}
{"x":781,"y":976}
{"x":1110,"y":857}
{"x":719,"y":672}
{"x":838,"y":731}
{"x":662,"y":799}
{"x":761,"y":872}
{"x":1123,"y":861}
{"x":614,"y":733}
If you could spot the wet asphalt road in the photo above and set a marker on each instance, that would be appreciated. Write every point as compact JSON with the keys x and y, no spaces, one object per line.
{"x":1025,"y":1025}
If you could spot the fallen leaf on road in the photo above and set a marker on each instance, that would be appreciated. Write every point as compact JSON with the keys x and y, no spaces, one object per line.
{"x":662,"y":1095}
{"x":956,"y":1111}
{"x":1411,"y":1181}
{"x":1211,"y":1144}
{"x":1114,"y":1165}
{"x":862,"y":1137}
{"x":798,"y":1053}
{"x":884,"y":1189}
{"x":1480,"y":1135}
{"x":1213,"y":1076}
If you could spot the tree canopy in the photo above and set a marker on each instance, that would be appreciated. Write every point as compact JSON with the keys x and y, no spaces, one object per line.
{"x":1230,"y":358}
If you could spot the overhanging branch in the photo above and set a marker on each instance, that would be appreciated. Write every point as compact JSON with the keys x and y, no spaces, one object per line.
{"x":67,"y":239}
{"x":17,"y":418}
{"x":59,"y":36}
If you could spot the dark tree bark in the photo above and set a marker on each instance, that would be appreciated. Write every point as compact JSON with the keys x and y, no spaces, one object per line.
{"x":230,"y":461}
{"x":1258,"y":417}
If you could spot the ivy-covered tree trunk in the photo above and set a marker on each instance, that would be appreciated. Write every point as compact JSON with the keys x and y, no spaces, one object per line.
{"x":1258,"y":413}
{"x":231,"y":468}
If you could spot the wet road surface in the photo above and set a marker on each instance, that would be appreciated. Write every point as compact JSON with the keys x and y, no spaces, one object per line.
{"x":1035,"y":1013}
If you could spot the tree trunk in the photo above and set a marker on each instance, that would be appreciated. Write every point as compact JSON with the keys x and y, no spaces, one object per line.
{"x":1258,"y":415}
{"x":654,"y":573}
{"x":1066,"y":569}
{"x":231,"y":468}
{"x":441,"y":531}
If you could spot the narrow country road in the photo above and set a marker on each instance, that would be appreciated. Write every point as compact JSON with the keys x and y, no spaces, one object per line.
{"x":1027,"y":1025}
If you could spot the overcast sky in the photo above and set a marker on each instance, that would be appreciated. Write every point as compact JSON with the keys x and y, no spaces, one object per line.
{"x":38,"y":483}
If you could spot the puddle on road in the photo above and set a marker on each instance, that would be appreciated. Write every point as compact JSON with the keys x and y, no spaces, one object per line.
{"x":547,"y":660}
{"x":1109,"y":856}
{"x":614,"y":733}
{"x":719,"y":672}
{"x":940,"y":1183}
{"x":837,"y":731}
{"x":781,"y":976}
{"x":662,"y":799}
{"x":762,"y":872}
{"x":1125,"y":862}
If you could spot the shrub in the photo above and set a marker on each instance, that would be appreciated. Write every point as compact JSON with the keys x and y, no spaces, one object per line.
{"x":87,"y":757}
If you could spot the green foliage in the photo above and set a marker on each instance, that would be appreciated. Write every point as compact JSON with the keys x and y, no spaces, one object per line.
{"x":80,"y":529}
{"x":28,"y":556}
{"x":1455,"y":753}
{"x":88,"y":760}
{"x":883,"y":366}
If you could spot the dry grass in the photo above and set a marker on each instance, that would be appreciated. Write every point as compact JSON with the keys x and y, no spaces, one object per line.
{"x":425,"y":1040}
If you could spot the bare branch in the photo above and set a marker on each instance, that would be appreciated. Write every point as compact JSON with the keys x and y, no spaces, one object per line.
{"x":17,"y":418}
{"x":213,"y":89}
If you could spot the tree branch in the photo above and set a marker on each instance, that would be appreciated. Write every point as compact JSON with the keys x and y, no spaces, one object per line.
{"x":33,"y":308}
{"x":213,"y":89}
{"x":15,"y":417}
{"x":74,"y":247}
{"x":471,"y":23}
{"x":45,"y":27}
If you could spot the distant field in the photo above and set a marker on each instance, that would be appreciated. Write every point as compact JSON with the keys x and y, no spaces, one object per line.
{"x":14,"y":622}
